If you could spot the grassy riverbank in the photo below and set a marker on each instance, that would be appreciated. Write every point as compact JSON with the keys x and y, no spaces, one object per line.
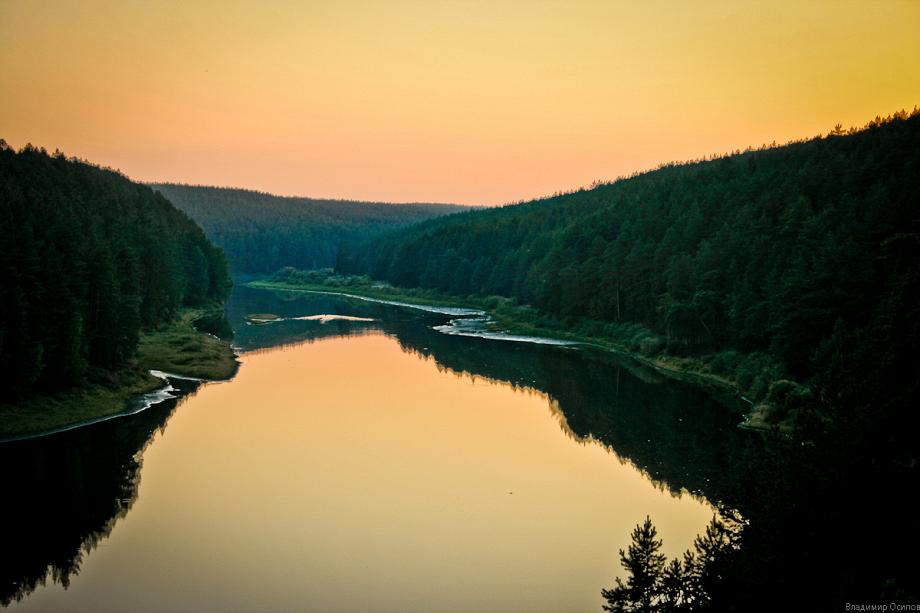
{"x":181,"y":349}
{"x":753,"y":377}
{"x":176,"y":347}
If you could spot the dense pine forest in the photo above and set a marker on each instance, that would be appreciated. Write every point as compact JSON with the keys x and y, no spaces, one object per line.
{"x":261,"y":233}
{"x":87,"y":260}
{"x":782,"y":255}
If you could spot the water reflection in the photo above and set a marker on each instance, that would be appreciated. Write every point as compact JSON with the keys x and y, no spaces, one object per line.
{"x":290,"y":306}
{"x":678,"y":435}
{"x":266,"y":461}
{"x":64,"y":494}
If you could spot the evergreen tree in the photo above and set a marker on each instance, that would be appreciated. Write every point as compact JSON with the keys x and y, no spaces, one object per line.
{"x":644,"y":564}
{"x":88,"y":258}
{"x":754,"y":256}
{"x":691,"y":584}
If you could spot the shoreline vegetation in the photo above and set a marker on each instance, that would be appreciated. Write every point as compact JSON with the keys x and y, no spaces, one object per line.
{"x":758,"y":390}
{"x":177,"y":347}
{"x":103,"y":280}
{"x":779,"y":269}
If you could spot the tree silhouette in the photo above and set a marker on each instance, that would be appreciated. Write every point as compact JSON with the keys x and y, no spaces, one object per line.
{"x":644,"y":564}
{"x":655,"y":585}
{"x":745,"y":262}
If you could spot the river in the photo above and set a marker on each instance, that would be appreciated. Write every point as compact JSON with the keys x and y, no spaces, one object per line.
{"x":363,"y":460}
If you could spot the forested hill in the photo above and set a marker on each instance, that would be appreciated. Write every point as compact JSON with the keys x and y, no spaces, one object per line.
{"x":795,"y":254}
{"x":261,"y":232}
{"x":88,"y":259}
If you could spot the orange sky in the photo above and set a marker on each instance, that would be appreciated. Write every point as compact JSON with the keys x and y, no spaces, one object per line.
{"x":474,"y":102}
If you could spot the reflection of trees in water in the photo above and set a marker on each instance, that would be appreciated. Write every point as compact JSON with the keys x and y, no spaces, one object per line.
{"x":283,"y":339}
{"x":66,"y":492}
{"x":802,"y":522}
{"x":674,"y":433}
{"x":287,"y":333}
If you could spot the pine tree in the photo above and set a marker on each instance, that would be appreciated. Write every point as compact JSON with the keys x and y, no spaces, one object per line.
{"x":675,"y":591}
{"x":644,"y":564}
{"x":706,"y":567}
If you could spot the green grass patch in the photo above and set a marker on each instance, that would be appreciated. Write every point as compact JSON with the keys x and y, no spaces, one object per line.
{"x":181,"y":349}
{"x":176,"y":348}
{"x":46,"y":412}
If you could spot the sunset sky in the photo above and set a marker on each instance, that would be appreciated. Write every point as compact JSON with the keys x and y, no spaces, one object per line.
{"x":470,"y":102}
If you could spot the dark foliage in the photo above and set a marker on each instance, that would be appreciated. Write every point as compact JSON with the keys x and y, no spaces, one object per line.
{"x":645,"y":566}
{"x":262,"y":233}
{"x":763,"y":252}
{"x":655,"y":585}
{"x":70,"y":491}
{"x":88,"y":259}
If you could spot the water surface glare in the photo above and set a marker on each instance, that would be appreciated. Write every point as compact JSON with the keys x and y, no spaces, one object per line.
{"x":349,"y":474}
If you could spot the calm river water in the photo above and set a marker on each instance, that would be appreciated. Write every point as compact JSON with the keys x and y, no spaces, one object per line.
{"x":364,"y":465}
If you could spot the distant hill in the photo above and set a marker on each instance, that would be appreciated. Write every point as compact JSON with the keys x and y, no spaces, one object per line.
{"x":261,"y":232}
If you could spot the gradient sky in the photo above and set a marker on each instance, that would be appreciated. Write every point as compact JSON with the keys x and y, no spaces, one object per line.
{"x":472,"y":102}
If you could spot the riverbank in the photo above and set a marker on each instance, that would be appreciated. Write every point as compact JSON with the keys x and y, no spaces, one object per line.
{"x":176,"y":348}
{"x":754,"y":388}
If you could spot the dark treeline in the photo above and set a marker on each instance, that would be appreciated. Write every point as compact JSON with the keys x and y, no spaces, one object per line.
{"x":260,"y":232}
{"x":87,"y":260}
{"x":779,"y":253}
